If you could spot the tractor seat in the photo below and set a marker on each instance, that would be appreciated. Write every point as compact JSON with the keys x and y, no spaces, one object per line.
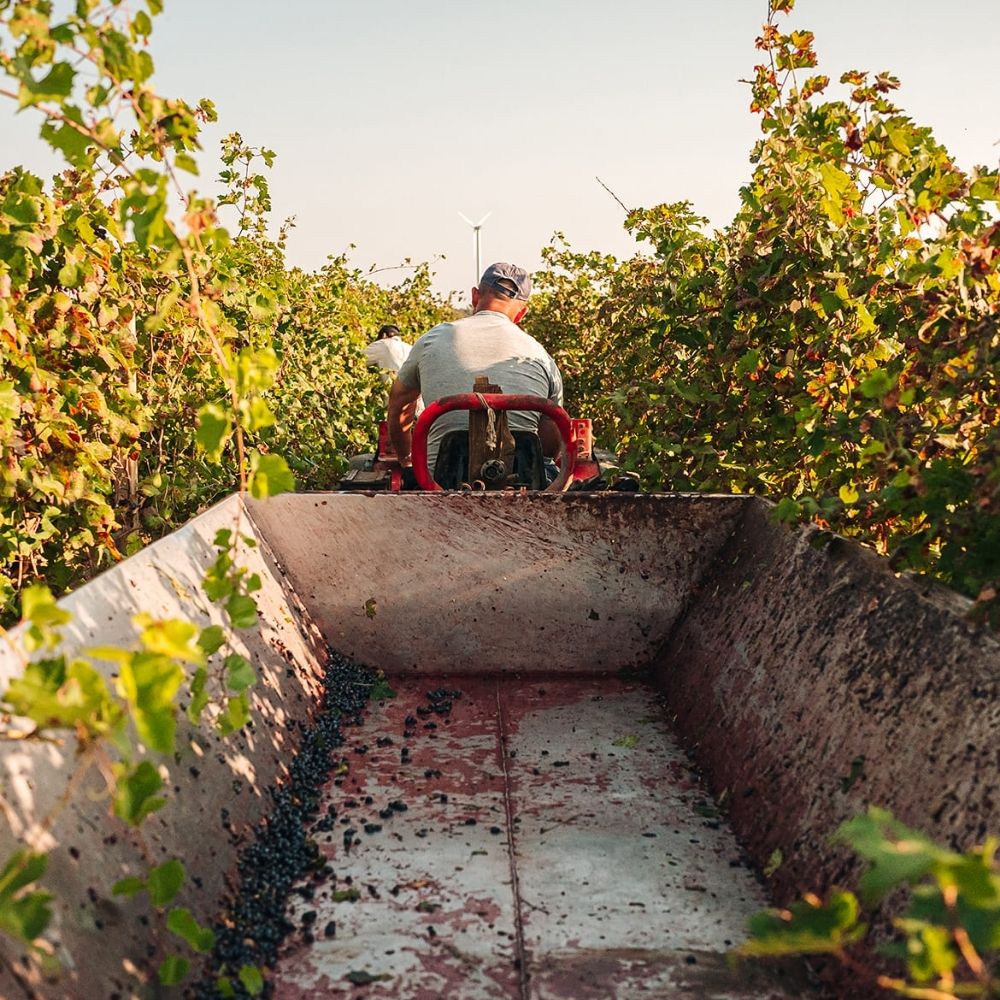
{"x":452,"y":466}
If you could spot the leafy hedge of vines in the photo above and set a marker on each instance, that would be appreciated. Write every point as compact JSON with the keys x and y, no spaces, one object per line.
{"x":835,"y":347}
{"x":103,"y":372}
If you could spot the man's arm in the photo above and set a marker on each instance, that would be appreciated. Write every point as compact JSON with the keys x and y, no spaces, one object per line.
{"x":402,"y":408}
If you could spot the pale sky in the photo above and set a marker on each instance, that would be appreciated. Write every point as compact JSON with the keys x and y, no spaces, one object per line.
{"x":391,"y":116}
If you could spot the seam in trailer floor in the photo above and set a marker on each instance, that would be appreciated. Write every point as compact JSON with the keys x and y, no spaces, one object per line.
{"x":545,"y":838}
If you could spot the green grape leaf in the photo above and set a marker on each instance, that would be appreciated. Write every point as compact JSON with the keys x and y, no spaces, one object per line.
{"x":165,"y":881}
{"x":214,"y":430}
{"x":235,"y":715}
{"x":24,"y":915}
{"x":182,"y":923}
{"x":269,"y":476}
{"x":23,"y":868}
{"x":896,"y":854}
{"x":39,"y":609}
{"x":173,"y":970}
{"x":27,"y":916}
{"x":239,"y":673}
{"x":876,"y":385}
{"x":171,"y":638}
{"x":53,"y":694}
{"x":930,"y":951}
{"x":149,"y":682}
{"x":252,"y":980}
{"x":136,"y":793}
{"x":54,"y":86}
{"x":128,"y":886}
{"x":199,"y":696}
{"x":242,"y":611}
{"x":808,"y":927}
{"x":212,"y":638}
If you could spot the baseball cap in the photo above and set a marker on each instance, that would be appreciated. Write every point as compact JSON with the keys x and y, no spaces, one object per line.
{"x":498,"y":275}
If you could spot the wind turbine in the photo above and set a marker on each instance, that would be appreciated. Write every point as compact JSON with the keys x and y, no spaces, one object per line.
{"x":476,"y":226}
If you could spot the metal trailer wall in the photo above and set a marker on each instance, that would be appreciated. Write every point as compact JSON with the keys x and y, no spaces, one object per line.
{"x":502,"y":582}
{"x":215,"y":789}
{"x":811,"y":682}
{"x":784,"y":664}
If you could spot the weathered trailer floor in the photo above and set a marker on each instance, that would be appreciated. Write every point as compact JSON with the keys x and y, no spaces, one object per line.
{"x":545,"y":838}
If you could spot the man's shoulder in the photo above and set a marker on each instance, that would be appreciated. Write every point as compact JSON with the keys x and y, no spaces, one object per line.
{"x":498,"y":328}
{"x":435,"y":332}
{"x":529,"y":344}
{"x":531,"y":340}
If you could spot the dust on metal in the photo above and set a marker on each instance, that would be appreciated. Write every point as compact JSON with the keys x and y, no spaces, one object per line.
{"x":498,"y":582}
{"x":629,"y":882}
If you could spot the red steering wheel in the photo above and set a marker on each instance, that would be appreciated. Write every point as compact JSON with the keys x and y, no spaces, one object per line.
{"x":493,"y":401}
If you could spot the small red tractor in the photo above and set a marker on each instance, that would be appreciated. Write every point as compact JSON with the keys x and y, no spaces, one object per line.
{"x":488,"y":456}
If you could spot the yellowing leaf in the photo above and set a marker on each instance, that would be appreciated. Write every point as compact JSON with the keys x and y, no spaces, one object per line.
{"x":849,"y":495}
{"x":172,"y":638}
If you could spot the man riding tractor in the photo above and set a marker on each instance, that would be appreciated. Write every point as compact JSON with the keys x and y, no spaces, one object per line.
{"x":447,"y":360}
{"x":493,"y":419}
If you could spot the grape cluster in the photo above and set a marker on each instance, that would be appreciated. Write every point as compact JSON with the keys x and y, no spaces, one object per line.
{"x":254,"y":924}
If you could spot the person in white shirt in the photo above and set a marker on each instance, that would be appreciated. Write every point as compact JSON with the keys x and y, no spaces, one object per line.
{"x":447,"y":359}
{"x":387,"y":352}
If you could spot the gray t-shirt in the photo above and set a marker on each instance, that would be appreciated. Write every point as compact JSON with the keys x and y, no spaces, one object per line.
{"x":447,"y":360}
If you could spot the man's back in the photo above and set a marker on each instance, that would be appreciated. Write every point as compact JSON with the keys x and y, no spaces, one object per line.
{"x":447,"y":359}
